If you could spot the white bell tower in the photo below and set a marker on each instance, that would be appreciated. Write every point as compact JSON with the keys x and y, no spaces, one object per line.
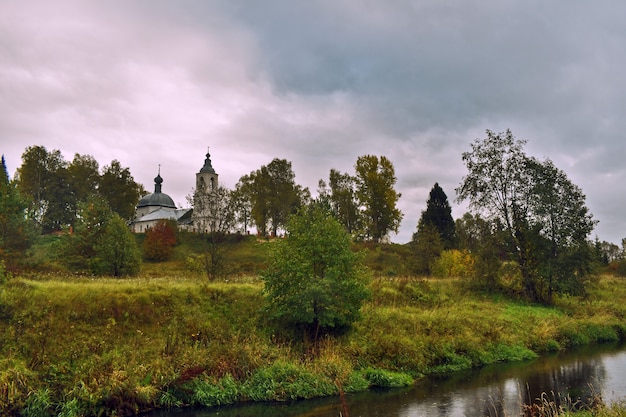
{"x":206,"y":190}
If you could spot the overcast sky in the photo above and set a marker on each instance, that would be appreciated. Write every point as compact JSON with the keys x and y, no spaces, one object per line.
{"x":319,"y":83}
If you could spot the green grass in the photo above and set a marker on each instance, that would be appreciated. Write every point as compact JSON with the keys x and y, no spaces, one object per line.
{"x":77,"y":345}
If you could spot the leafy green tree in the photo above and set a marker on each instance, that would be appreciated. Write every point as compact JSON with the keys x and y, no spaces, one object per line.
{"x":315,"y":283}
{"x":101,"y":242}
{"x":160,"y":240}
{"x":286,"y":196}
{"x":471,"y":231}
{"x":563,"y":224}
{"x":438,"y":213}
{"x":43,"y":177}
{"x":17,"y":233}
{"x":375,"y":179}
{"x":242,"y":208}
{"x":84,"y":180}
{"x":255,"y":189}
{"x":453,"y":263}
{"x":117,"y":253}
{"x":610,"y":252}
{"x":223,"y":219}
{"x":426,"y":247}
{"x":78,"y":248}
{"x":543,"y":214}
{"x":340,"y":195}
{"x":483,"y":239}
{"x":120,"y":190}
{"x":273,"y":195}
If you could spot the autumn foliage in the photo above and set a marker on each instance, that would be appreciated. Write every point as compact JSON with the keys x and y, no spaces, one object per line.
{"x":160,"y":241}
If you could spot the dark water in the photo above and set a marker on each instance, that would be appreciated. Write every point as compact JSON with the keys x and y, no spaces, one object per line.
{"x":498,"y":390}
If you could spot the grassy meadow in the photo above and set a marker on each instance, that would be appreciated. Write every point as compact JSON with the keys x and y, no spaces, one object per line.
{"x":79,"y":345}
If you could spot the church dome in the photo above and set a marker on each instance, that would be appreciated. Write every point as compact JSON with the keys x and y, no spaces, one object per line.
{"x":157,"y":198}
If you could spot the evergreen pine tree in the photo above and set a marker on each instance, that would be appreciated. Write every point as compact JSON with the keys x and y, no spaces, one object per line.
{"x":438,"y":214}
{"x":16,"y":232}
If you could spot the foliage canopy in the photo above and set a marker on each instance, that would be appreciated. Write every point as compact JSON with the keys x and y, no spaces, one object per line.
{"x":375,"y":180}
{"x":272,"y":194}
{"x":17,"y":233}
{"x":314,"y":282}
{"x":160,"y":239}
{"x":438,"y":214}
{"x":55,"y":188}
{"x":101,"y":242}
{"x":541,"y":212}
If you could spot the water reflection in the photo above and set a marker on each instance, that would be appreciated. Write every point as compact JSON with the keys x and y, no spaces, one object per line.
{"x":492,"y":391}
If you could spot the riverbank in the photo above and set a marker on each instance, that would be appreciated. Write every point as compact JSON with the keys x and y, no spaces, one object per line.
{"x":81,"y":346}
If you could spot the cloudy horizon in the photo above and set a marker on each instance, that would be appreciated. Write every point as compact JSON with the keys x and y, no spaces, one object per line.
{"x":319,"y":83}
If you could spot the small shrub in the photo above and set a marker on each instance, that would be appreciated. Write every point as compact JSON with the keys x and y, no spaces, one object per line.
{"x":453,"y":263}
{"x":356,"y":382}
{"x":160,"y":241}
{"x":284,"y":381}
{"x":507,"y":353}
{"x":387,"y":379}
{"x":4,"y":275}
{"x":208,"y":393}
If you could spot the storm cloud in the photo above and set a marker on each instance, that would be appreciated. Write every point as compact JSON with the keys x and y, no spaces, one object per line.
{"x":319,"y":83}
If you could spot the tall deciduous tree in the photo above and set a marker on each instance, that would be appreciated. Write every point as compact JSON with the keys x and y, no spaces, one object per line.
{"x":83,"y":178}
{"x":375,"y":180}
{"x":484,"y":239}
{"x":273,"y":195}
{"x":78,"y":250}
{"x":120,"y":190}
{"x":117,"y":253}
{"x":101,"y":243}
{"x":315,"y":283}
{"x":43,"y":177}
{"x":242,"y":207}
{"x":563,"y":224}
{"x":542,"y":212}
{"x":223,"y":219}
{"x":255,"y":188}
{"x":340,"y":195}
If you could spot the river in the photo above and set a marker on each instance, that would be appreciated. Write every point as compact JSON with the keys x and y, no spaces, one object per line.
{"x":496,"y":390}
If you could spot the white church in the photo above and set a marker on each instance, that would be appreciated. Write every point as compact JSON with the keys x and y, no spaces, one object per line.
{"x":160,"y":206}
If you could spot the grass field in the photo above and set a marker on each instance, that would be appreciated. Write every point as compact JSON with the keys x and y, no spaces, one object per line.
{"x":77,"y":345}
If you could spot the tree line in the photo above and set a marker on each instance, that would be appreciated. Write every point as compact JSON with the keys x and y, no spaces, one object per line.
{"x":54,"y":188}
{"x":526,"y":218}
{"x":364,"y":203}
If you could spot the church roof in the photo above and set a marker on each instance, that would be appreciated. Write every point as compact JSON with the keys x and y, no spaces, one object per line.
{"x":157,"y":198}
{"x":207,"y":167}
{"x":164,"y":213}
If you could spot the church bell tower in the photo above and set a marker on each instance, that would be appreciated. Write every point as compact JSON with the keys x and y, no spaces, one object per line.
{"x":204,"y":197}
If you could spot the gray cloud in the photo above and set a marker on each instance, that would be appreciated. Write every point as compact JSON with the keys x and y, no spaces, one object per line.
{"x":319,"y":83}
